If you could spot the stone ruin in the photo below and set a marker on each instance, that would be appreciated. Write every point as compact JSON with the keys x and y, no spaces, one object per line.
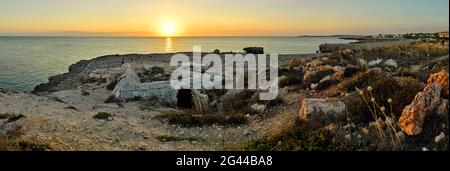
{"x":130,"y":87}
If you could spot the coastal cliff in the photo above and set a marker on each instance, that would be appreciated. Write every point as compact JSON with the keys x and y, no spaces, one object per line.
{"x":75,"y":111}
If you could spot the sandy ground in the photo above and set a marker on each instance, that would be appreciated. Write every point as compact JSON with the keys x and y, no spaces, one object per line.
{"x":49,"y":120}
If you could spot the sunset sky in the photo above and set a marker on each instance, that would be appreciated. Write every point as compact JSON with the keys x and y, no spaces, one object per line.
{"x":220,"y":17}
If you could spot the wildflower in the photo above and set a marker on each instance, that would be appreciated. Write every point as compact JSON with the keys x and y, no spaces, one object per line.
{"x":369,"y":88}
{"x":361,"y":93}
{"x":372,"y":100}
{"x":389,"y":100}
{"x":383,"y":109}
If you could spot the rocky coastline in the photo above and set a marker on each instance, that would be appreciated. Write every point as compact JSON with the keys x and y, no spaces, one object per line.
{"x":353,"y":97}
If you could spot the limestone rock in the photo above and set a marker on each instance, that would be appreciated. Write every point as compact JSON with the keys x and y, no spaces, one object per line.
{"x":440,"y":78}
{"x":339,"y":75}
{"x":316,"y":112}
{"x":325,"y":82}
{"x":309,"y":74}
{"x":326,"y":78}
{"x":130,"y":86}
{"x":294,"y":63}
{"x":424,"y":103}
{"x":362,"y":63}
{"x":439,"y":138}
{"x":314,"y":86}
{"x":326,"y":68}
{"x":442,"y":108}
{"x":254,"y":50}
{"x":258,"y":107}
{"x":375,"y":62}
{"x":390,"y":63}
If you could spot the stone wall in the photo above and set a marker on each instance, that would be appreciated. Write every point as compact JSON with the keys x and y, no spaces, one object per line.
{"x":130,"y":87}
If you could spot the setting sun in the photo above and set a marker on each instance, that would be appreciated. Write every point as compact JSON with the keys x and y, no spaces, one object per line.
{"x":168,"y":28}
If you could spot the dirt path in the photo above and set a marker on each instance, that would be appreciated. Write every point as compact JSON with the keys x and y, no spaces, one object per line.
{"x":65,"y":121}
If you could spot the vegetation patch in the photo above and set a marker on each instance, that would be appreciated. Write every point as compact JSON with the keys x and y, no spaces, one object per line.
{"x":168,"y":138}
{"x":191,"y":120}
{"x":154,"y":74}
{"x":289,"y":77}
{"x":102,"y":115}
{"x":10,"y":141}
{"x":315,"y":78}
{"x":11,"y":117}
{"x":240,"y":103}
{"x":29,"y":146}
{"x":111,"y":85}
{"x":85,"y":93}
{"x":290,"y":138}
{"x":153,"y":103}
{"x":400,"y":90}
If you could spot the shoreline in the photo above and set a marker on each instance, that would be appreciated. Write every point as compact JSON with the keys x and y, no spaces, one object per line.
{"x":163,"y":57}
{"x":74,"y":111}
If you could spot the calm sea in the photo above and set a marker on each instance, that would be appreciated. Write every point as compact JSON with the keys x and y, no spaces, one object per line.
{"x":28,"y":61}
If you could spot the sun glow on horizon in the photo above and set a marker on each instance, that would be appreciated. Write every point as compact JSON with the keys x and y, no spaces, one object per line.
{"x":168,"y":29}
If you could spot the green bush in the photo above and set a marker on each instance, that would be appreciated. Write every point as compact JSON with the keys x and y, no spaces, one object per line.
{"x":102,"y":115}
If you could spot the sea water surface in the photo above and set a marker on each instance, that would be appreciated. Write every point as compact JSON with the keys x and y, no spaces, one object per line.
{"x":28,"y":61}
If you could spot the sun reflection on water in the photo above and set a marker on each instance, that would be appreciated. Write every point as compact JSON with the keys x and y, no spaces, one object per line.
{"x":169,"y":45}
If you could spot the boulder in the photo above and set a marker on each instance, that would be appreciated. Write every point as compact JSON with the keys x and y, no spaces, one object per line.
{"x":326,"y":68}
{"x":362,"y":63}
{"x":375,"y":63}
{"x":440,"y":78}
{"x":339,"y":75}
{"x":316,"y":76}
{"x":424,"y":103}
{"x":318,"y":112}
{"x":338,"y":69}
{"x":314,"y":65}
{"x":325,"y":82}
{"x":294,"y":63}
{"x":309,"y":74}
{"x":390,"y":63}
{"x":350,"y":71}
{"x":254,"y":50}
{"x":314,"y":86}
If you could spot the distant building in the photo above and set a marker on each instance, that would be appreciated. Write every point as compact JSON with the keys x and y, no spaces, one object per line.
{"x":443,"y":34}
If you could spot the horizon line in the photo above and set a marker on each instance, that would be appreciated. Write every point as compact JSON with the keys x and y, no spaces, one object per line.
{"x":194,"y":36}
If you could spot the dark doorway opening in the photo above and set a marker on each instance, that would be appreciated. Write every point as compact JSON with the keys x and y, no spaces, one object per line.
{"x":184,"y":99}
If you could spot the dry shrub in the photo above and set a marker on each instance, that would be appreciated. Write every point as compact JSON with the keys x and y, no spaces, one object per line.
{"x":239,"y":102}
{"x":289,"y":77}
{"x":411,"y":54}
{"x":401,"y":90}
